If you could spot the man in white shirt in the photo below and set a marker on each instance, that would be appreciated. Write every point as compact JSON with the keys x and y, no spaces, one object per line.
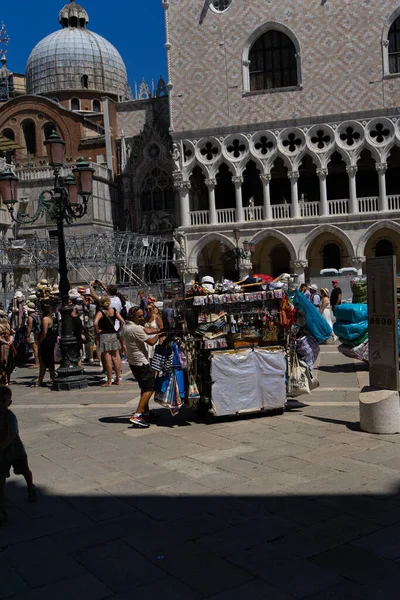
{"x":135,"y":337}
{"x":315,"y":298}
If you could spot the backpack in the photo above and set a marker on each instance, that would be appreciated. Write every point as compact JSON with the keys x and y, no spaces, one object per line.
{"x":36,"y":324}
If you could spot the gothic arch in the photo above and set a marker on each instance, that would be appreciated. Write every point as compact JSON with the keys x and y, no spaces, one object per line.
{"x":317,"y":231}
{"x":254,"y":36}
{"x":202,"y":243}
{"x":386,"y":224}
{"x":385,"y":39}
{"x":281,"y":237}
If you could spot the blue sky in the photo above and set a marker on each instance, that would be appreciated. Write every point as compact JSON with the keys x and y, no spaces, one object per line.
{"x":135,"y":28}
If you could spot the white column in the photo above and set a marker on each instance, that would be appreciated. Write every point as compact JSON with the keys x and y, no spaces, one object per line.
{"x":211,"y":183}
{"x":323,"y":196}
{"x":266,"y":178}
{"x":238,"y":180}
{"x":358,"y":262}
{"x":352,"y":172}
{"x":383,"y":201}
{"x":298,"y":268}
{"x":184,"y":203}
{"x":294,"y":177}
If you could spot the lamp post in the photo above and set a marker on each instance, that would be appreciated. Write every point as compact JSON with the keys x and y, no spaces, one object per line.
{"x":237,"y":253}
{"x":65,"y":202}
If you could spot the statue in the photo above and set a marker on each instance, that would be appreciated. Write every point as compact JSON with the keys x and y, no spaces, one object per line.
{"x":251,"y":209}
{"x":176,"y":155}
{"x":179,"y":252}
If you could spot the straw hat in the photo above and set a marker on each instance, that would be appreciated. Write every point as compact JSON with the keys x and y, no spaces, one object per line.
{"x":325,"y":291}
{"x":74,"y":293}
{"x":313,"y":287}
{"x":54,"y":290}
{"x":31,"y":307}
{"x":18,"y":295}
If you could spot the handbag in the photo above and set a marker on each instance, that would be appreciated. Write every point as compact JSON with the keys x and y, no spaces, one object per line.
{"x":298,"y":381}
{"x":312,"y":380}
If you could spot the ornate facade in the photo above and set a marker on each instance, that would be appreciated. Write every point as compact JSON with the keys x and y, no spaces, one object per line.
{"x":285,"y":128}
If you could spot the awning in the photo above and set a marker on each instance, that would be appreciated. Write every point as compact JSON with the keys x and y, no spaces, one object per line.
{"x":7,"y":144}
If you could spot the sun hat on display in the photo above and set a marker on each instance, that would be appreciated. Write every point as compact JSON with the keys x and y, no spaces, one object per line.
{"x":81,"y":289}
{"x":31,"y":307}
{"x":18,"y":294}
{"x":54,"y":290}
{"x":208,"y":284}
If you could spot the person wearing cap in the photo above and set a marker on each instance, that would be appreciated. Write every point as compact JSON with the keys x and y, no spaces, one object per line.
{"x":315,"y":298}
{"x":33,"y":333}
{"x":336,"y":295}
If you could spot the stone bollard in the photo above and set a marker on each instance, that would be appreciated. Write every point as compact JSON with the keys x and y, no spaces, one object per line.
{"x":379,"y":410}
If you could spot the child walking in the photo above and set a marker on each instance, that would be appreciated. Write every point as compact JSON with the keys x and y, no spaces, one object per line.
{"x":12,"y":452}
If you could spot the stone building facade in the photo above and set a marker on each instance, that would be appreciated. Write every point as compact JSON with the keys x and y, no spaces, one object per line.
{"x":286,"y":132}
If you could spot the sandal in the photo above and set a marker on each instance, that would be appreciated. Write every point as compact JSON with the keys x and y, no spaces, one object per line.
{"x":117,"y":382}
{"x":106,"y":385}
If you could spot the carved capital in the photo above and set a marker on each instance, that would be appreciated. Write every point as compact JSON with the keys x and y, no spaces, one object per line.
{"x":352,"y":170}
{"x":177,"y":177}
{"x":211,"y":183}
{"x":186,"y":185}
{"x":381,"y":168}
{"x":385,"y":43}
{"x":322,"y":173}
{"x":246,"y":63}
{"x":293,"y":175}
{"x":265,"y":177}
{"x":358,"y":261}
{"x":299,"y":264}
{"x":237,"y":180}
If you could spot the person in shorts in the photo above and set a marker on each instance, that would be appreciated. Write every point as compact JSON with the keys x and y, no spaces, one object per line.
{"x":12,"y":452}
{"x":136,"y":339}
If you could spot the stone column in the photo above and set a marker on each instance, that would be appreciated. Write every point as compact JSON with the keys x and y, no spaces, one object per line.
{"x":211,"y":183}
{"x":357,"y":262}
{"x":238,"y":180}
{"x":298,"y":268}
{"x":183,"y":188}
{"x":383,"y":201}
{"x":294,"y":177}
{"x":323,"y":197}
{"x":266,"y":178}
{"x":352,"y":172}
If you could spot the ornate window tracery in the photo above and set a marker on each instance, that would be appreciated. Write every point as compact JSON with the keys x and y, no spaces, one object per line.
{"x":157,"y":201}
{"x":273,"y":62}
{"x":220,"y":6}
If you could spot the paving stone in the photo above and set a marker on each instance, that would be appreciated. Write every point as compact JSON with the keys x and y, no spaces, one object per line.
{"x":367,"y":507}
{"x":41,"y":562}
{"x":318,"y":538}
{"x":11,"y":581}
{"x":191,"y":468}
{"x":254,"y":590}
{"x":296,"y":466}
{"x":119,"y":566}
{"x":354,"y":591}
{"x":276,"y":449}
{"x":197,"y":568}
{"x":362,"y":566}
{"x":216,"y":455}
{"x":302,"y":510}
{"x":83,"y":587}
{"x":165,"y":589}
{"x":246,"y":535}
{"x":99,"y":505}
{"x":292,"y":575}
{"x":385,"y":451}
{"x":385,"y":542}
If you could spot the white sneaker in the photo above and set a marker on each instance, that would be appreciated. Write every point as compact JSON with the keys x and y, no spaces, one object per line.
{"x":105,"y":379}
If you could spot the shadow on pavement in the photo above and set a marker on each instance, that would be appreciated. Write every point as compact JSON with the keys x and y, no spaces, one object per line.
{"x":166,"y":546}
{"x":352,"y":425}
{"x":345,"y":368}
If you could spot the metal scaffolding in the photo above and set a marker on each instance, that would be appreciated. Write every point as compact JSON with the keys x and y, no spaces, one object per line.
{"x":126,"y":258}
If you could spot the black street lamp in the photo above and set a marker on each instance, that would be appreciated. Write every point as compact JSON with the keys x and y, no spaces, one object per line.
{"x":67,"y":201}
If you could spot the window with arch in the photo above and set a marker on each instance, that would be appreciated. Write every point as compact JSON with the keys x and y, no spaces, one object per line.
{"x":75,"y":104}
{"x":384,"y":248}
{"x":331,"y":256}
{"x":29,"y":131}
{"x":9,"y":134}
{"x":157,"y":191}
{"x":273,"y":62}
{"x":48,"y":129}
{"x":85,"y":81}
{"x":394,"y":47}
{"x":96,"y":106}
{"x":73,"y":22}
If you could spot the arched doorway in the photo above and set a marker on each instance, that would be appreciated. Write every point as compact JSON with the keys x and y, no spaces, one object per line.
{"x":252,"y":185}
{"x":271,"y":257}
{"x":337,"y":183}
{"x":367,"y":177}
{"x":384,"y":242}
{"x":29,"y":130}
{"x":211,"y":261}
{"x":225,"y":189}
{"x":308,"y":184}
{"x":392,"y":173}
{"x":384,"y":248}
{"x":280,"y":184}
{"x":331,"y":256}
{"x":326,"y":251}
{"x":198,"y":191}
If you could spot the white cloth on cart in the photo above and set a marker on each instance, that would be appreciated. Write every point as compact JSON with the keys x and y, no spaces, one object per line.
{"x":248,"y":380}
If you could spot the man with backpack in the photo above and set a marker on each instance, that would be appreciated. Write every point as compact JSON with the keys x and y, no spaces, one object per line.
{"x":33,"y":333}
{"x":315,"y":298}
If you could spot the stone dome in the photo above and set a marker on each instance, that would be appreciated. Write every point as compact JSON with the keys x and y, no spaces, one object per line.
{"x":74,"y":59}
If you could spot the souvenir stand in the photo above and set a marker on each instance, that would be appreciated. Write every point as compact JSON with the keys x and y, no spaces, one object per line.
{"x":235,"y":345}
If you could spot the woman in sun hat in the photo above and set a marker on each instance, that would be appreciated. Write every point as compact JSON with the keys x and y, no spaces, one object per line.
{"x":325,"y":309}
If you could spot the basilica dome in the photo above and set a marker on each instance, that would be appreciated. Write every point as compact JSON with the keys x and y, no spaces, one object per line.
{"x":75,"y":58}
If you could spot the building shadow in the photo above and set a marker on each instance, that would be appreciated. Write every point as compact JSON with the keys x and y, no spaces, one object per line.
{"x":169,"y":545}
